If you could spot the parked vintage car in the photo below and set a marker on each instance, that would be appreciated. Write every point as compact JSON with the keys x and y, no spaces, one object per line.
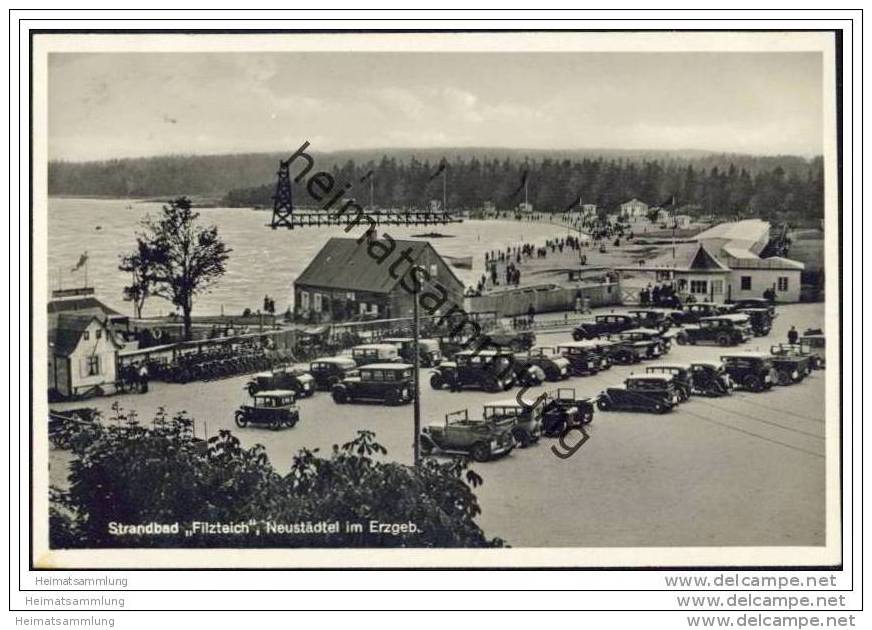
{"x":367,"y":353}
{"x":659,"y":343}
{"x":516,"y":340}
{"x":816,"y":342}
{"x":692,"y":313}
{"x":760,"y":320}
{"x":657,"y":318}
{"x":680,"y":373}
{"x":388,"y":383}
{"x":293,"y":378}
{"x":480,"y":439}
{"x":563,"y":410}
{"x":792,"y":362}
{"x":429,"y":350}
{"x":527,"y":427}
{"x":490,"y":370}
{"x":724,"y":330}
{"x":755,"y":303}
{"x":710,"y":379}
{"x":585,"y":357}
{"x":654,"y":393}
{"x":633,"y":346}
{"x":752,"y":371}
{"x":603,"y":325}
{"x":273,"y":408}
{"x":327,"y":371}
{"x":554,"y":366}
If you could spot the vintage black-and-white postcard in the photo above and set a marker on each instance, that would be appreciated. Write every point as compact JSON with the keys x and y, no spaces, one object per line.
{"x":467,"y":299}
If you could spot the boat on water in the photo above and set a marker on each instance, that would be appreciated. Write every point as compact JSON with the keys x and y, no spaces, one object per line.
{"x":461,"y":262}
{"x":433,"y":235}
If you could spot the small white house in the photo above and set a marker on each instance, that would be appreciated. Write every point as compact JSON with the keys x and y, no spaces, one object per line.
{"x":525,"y":207}
{"x":681,"y":221}
{"x":82,"y":355}
{"x":634,"y":208}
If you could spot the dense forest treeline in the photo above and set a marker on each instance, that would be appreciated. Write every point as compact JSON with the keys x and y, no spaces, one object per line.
{"x":721,"y":184}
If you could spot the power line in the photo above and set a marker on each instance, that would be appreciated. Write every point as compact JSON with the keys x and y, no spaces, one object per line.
{"x":756,"y":435}
{"x":775,"y":424}
{"x":784,"y":411}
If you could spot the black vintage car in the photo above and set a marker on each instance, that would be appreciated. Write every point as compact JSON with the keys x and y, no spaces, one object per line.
{"x":327,"y":371}
{"x":760,"y":320}
{"x":659,"y":343}
{"x":603,"y":325}
{"x":527,"y":419}
{"x":480,"y":439}
{"x":388,"y":383}
{"x":681,"y":374}
{"x":710,"y":379}
{"x":554,"y":366}
{"x":755,"y":303}
{"x":563,"y":410}
{"x":630,"y":348}
{"x":792,"y":362}
{"x":585,"y":357}
{"x":516,"y":340}
{"x":293,"y":378}
{"x":692,"y":313}
{"x":367,"y":353}
{"x":274,"y":408}
{"x":654,"y":393}
{"x":724,"y":330}
{"x":490,"y":370}
{"x":429,"y":350}
{"x":752,"y":371}
{"x":656,"y":318}
{"x":816,"y":342}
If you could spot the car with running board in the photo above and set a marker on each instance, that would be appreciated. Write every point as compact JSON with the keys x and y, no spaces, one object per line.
{"x":275,"y":409}
{"x":653,"y":393}
{"x":478,"y":438}
{"x":387,"y":383}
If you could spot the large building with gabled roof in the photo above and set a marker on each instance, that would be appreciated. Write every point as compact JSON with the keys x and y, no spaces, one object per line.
{"x":355,"y":279}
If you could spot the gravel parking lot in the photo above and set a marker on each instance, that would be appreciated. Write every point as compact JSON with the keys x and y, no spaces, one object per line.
{"x":742,"y":470}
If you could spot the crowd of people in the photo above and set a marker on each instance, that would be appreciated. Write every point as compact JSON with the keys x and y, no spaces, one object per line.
{"x":662,"y":295}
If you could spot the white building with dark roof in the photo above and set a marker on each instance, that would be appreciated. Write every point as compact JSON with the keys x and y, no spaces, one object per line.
{"x":738,"y":246}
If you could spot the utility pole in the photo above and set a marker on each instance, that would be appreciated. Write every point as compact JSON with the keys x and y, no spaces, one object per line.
{"x":416,"y":401}
{"x":444,"y":201}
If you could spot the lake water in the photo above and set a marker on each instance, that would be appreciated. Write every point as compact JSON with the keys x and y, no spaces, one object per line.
{"x":263,"y":261}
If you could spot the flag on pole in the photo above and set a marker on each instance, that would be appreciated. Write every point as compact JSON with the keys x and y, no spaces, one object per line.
{"x":82,"y":260}
{"x":524,"y":176}
{"x":442,"y":166}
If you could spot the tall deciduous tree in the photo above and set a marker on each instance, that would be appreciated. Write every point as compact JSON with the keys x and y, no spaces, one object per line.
{"x":138,"y":265}
{"x":182,"y":258}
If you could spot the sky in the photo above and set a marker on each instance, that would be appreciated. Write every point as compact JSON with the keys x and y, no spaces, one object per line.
{"x":108,"y":105}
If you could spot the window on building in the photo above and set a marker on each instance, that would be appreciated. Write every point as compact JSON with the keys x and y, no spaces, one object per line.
{"x":362,"y":308}
{"x":782,"y":283}
{"x":717,"y":287}
{"x":304,"y":300}
{"x":745,"y":283}
{"x":99,"y":334}
{"x":93,"y":365}
{"x":86,"y":335}
{"x":316,"y":299}
{"x":434,"y":271}
{"x":349,"y":295}
{"x":700,"y":287}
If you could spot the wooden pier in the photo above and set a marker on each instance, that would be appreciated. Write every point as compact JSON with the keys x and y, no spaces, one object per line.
{"x":318,"y":219}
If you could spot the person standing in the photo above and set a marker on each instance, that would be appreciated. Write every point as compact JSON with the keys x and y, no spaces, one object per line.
{"x":792,"y":335}
{"x":143,"y":378}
